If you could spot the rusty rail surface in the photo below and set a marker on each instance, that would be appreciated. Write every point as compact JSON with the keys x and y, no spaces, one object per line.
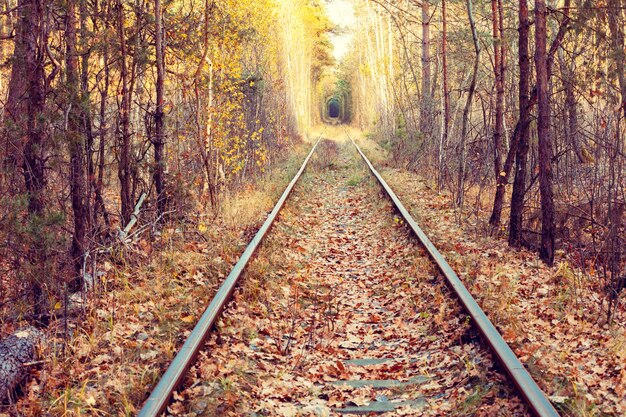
{"x":528,"y":388}
{"x":175,"y":373}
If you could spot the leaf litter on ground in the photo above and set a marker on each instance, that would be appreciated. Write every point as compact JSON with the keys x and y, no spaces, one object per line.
{"x":338,"y":281}
{"x":551,"y":317}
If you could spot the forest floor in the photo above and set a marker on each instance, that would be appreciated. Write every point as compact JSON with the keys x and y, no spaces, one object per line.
{"x":342,"y":310}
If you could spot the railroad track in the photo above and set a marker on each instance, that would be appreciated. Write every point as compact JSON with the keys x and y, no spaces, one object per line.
{"x":531,"y":394}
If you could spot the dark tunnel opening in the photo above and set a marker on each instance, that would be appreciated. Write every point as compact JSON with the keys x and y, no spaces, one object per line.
{"x":333,"y":109}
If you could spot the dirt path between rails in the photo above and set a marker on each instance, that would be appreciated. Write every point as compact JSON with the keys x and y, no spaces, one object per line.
{"x":341,"y":292}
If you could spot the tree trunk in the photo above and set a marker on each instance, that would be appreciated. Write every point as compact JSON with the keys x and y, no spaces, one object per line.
{"x":548,"y":229}
{"x":446,"y":99}
{"x":159,"y":127}
{"x":31,"y":27}
{"x":498,"y":130}
{"x":569,"y":75}
{"x":468,"y":105}
{"x":76,"y":146}
{"x":86,"y":116}
{"x":616,"y":207}
{"x":426,"y":105}
{"x":519,"y":183}
{"x":204,"y":133}
{"x":124,"y":173}
{"x":617,"y":38}
{"x":15,"y":116}
{"x":99,"y":206}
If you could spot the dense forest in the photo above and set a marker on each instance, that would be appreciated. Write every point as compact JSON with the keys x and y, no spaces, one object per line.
{"x":107,"y":102}
{"x":129,"y":129}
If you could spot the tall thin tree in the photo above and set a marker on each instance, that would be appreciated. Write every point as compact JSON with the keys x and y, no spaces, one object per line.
{"x":468,"y":106}
{"x":548,"y":228}
{"x":519,"y":183}
{"x":75,"y":144}
{"x":498,"y":129}
{"x":159,"y":122}
{"x":446,"y":97}
{"x":615,"y":206}
{"x":426,"y":102}
{"x":124,"y":148}
{"x":32,"y":39}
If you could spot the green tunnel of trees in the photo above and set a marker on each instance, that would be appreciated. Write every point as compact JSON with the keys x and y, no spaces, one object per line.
{"x":334,"y":108}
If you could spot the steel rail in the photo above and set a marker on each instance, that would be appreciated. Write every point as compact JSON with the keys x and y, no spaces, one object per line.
{"x":528,"y":388}
{"x":175,"y":373}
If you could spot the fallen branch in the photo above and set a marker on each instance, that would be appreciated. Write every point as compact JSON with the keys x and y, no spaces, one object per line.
{"x":133,"y":218}
{"x":33,"y":363}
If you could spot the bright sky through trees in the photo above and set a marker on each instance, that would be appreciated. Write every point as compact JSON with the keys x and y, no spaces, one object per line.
{"x":341,"y":13}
